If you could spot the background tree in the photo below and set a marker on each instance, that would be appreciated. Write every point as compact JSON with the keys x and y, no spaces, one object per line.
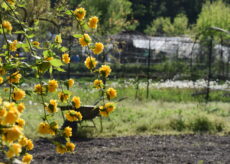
{"x":113,"y":14}
{"x":163,"y":26}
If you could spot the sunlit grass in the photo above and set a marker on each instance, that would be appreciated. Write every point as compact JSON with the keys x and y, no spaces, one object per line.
{"x":167,"y":111}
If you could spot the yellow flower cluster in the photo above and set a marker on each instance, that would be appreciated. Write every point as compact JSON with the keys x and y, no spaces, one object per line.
{"x":107,"y":109}
{"x":93,"y":22}
{"x":90,"y":63}
{"x":7,"y":25}
{"x":14,"y":77}
{"x":27,"y":158}
{"x":105,"y":70}
{"x":111,"y":93}
{"x":45,"y":128}
{"x":1,"y":80}
{"x":68,"y":131}
{"x":18,"y":94}
{"x":39,"y":89}
{"x":66,"y":58}
{"x":63,"y":96}
{"x":98,"y":84}
{"x":11,"y":2}
{"x":98,"y":48}
{"x":35,"y":43}
{"x":76,"y":102}
{"x":52,"y":107}
{"x":80,"y":13}
{"x":73,"y":115}
{"x":85,"y":40}
{"x":70,"y":83}
{"x":13,"y":46}
{"x":69,"y":147}
{"x":12,"y":137}
{"x":52,"y":85}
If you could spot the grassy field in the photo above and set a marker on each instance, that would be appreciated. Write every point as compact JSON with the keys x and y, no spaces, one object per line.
{"x":167,"y":111}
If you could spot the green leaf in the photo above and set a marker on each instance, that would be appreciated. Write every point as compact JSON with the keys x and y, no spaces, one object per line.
{"x":63,"y":49}
{"x":68,"y":12}
{"x":60,"y":69}
{"x":77,"y":35}
{"x":56,"y":62}
{"x":19,"y":32}
{"x":51,"y":70}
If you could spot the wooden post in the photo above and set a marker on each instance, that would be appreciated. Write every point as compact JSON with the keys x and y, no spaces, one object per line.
{"x":209,"y":69}
{"x":148,"y":70}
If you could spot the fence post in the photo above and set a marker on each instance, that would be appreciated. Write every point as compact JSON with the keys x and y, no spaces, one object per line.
{"x":209,"y":69}
{"x":148,"y":70}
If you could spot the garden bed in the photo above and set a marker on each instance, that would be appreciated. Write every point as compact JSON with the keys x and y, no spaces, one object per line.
{"x":140,"y":149}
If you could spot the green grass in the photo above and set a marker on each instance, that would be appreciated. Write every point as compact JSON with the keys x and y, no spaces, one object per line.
{"x":167,"y":111}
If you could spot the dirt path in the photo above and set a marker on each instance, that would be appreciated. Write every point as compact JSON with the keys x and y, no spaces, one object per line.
{"x":138,"y":149}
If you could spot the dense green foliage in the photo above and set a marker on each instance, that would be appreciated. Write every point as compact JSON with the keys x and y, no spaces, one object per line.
{"x":163,"y":26}
{"x":129,"y":12}
{"x":216,"y":14}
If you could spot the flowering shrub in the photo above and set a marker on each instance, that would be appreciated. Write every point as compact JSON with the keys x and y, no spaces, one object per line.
{"x":13,"y":142}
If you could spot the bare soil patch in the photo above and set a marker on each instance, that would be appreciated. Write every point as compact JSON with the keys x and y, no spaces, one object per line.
{"x":140,"y":149}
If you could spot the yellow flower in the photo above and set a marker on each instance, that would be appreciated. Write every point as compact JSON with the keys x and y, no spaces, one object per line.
{"x":70,"y":147}
{"x":84,"y":40}
{"x":58,"y":39}
{"x":105,"y":70}
{"x":98,"y":83}
{"x":7,"y":25}
{"x":106,"y":109}
{"x":44,"y":128}
{"x":63,"y":96}
{"x":49,"y":58}
{"x":111,"y":93}
{"x":76,"y":102}
{"x":14,"y":150}
{"x":2,"y":71}
{"x":98,"y":48}
{"x":2,"y":112}
{"x":17,"y":148}
{"x":66,"y":58}
{"x":11,"y":2}
{"x":12,"y":134}
{"x":72,"y":115}
{"x":52,"y":85}
{"x":18,"y":94}
{"x":36,"y":43}
{"x":39,"y":89}
{"x":13,"y":46}
{"x":20,"y":122}
{"x":1,"y":80}
{"x":93,"y":22}
{"x":61,"y":149}
{"x":80,"y":13}
{"x":14,"y":77}
{"x":11,"y":116}
{"x":53,"y":128}
{"x":21,"y":107}
{"x":52,"y":107}
{"x":90,"y":63}
{"x":68,"y":131}
{"x":29,"y":145}
{"x":70,"y":83}
{"x":27,"y":158}
{"x":23,"y":141}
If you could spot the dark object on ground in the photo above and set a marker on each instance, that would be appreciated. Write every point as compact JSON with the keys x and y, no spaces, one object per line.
{"x":88,"y":113}
{"x":182,"y":149}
